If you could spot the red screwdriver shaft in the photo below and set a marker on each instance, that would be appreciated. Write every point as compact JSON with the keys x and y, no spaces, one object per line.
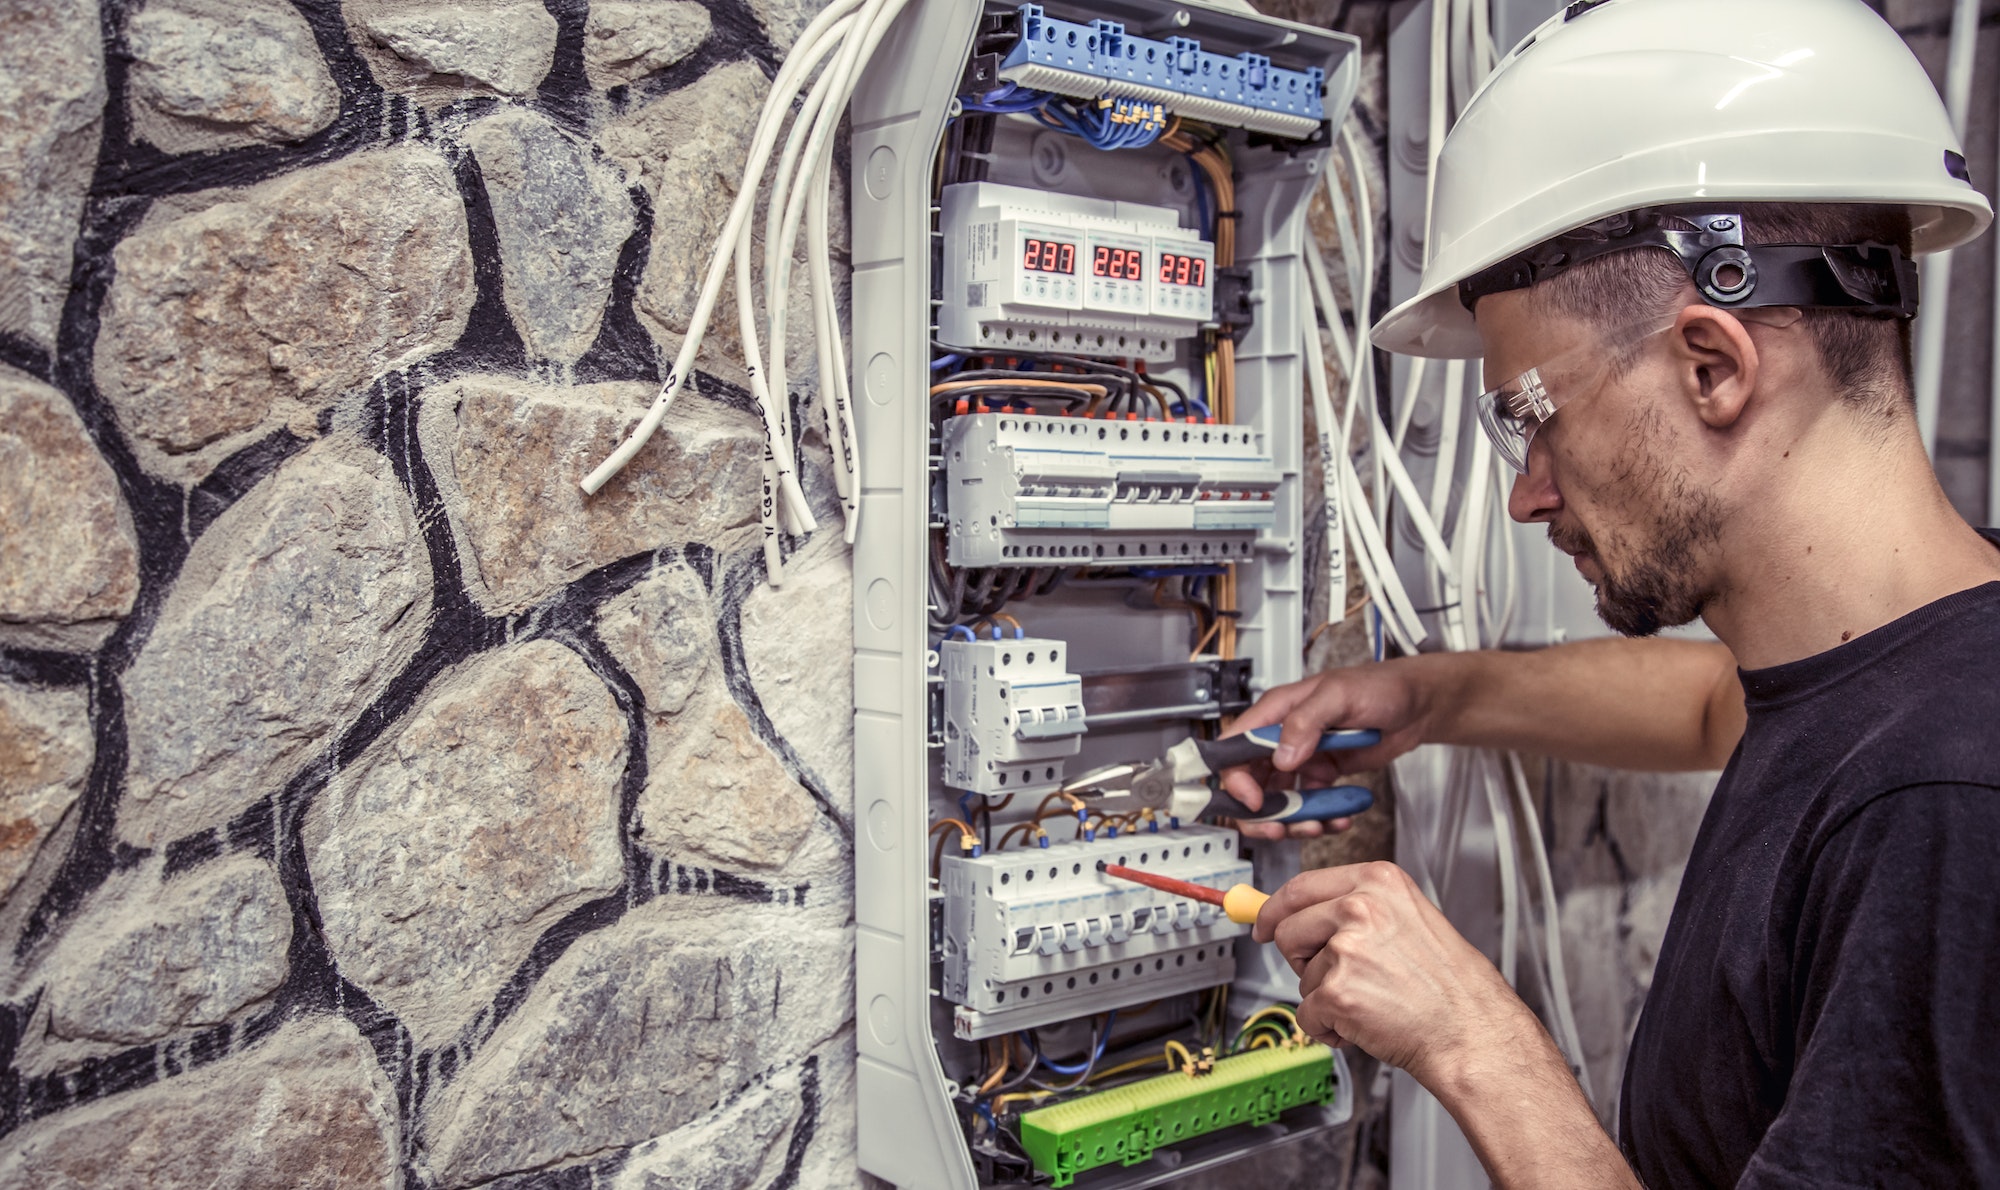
{"x":1180,"y":888}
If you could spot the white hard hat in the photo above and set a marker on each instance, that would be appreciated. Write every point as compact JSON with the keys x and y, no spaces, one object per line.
{"x":1620,"y":106}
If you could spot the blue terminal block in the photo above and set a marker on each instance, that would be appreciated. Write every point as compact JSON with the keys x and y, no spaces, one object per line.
{"x":1101,"y":59}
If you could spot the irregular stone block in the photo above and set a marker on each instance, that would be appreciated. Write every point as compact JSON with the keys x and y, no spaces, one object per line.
{"x":292,"y":614}
{"x":145,"y":959}
{"x":626,"y":40}
{"x":210,"y":74}
{"x":52,"y":89}
{"x":798,"y":640}
{"x":445,"y":50}
{"x":739,"y":1145}
{"x":445,"y":852}
{"x":562,"y":217}
{"x":640,"y":1028}
{"x":45,"y":751}
{"x":663,"y":632}
{"x":276,"y":302}
{"x":67,"y":551}
{"x":509,"y":457}
{"x":784,"y":20}
{"x":307,"y":1109}
{"x":716,"y":794}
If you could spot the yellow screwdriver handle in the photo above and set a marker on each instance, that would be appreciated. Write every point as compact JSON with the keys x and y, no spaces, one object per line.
{"x":1242,"y":903}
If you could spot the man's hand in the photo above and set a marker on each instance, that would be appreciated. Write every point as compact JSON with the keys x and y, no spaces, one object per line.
{"x":1389,"y":696}
{"x":1379,"y":966}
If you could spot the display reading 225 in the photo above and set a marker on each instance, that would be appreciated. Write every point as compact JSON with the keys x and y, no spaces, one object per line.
{"x":1049,"y":256}
{"x":1119,"y":264}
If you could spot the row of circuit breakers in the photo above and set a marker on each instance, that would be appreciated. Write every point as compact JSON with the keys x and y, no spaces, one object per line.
{"x":1035,"y":934}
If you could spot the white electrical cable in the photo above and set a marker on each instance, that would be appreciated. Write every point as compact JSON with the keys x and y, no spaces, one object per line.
{"x":835,"y":397}
{"x":1531,"y":826}
{"x":1327,"y":426}
{"x":791,"y":74}
{"x":1503,"y":848}
{"x":775,"y":296}
{"x":859,"y":49}
{"x":1934,"y":282}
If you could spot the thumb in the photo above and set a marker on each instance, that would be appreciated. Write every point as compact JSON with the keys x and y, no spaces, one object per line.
{"x":1299,"y":735}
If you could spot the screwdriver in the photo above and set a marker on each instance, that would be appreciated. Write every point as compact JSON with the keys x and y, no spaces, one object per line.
{"x":1240,"y":904}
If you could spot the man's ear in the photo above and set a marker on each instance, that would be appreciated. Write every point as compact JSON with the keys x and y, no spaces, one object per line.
{"x":1716,"y":362}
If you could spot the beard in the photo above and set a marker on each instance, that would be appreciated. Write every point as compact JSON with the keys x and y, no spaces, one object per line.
{"x":1659,"y":586}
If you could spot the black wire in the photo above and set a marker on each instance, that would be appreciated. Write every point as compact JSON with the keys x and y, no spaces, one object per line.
{"x":1071,"y":399}
{"x":1133,"y":380}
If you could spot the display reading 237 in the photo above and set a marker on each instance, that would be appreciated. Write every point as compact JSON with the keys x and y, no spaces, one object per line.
{"x":1049,"y":256}
{"x":1176,"y":269}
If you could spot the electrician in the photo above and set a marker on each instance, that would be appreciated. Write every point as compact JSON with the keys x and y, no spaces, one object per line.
{"x":1679,"y":232}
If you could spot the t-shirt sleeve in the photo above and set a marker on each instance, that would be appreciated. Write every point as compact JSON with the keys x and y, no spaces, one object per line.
{"x":1897,"y":1075}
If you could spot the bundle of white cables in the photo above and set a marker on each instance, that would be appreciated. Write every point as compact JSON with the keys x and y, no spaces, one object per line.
{"x":1457,"y":563}
{"x":831,"y":55}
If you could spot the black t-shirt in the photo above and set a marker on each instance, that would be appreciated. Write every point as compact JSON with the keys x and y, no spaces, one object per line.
{"x":1826,"y":1008}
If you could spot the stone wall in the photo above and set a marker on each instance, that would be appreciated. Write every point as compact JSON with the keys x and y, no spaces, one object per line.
{"x":373,"y":810}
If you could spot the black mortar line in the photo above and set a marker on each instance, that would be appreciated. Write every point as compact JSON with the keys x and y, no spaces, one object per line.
{"x":25,"y":355}
{"x":623,"y":350}
{"x":234,"y":476}
{"x":806,"y":1128}
{"x":565,"y":94}
{"x":49,"y":669}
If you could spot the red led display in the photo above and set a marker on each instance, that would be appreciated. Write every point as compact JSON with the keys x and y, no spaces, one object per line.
{"x":1049,"y":256}
{"x":1119,"y":264}
{"x":1183,"y":270}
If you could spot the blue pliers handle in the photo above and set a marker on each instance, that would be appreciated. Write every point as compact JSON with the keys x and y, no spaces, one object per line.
{"x":1288,"y":805}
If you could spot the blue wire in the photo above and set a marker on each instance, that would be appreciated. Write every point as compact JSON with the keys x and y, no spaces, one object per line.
{"x":1176,"y":571}
{"x":946,"y":361}
{"x":1084,"y":1065}
{"x":958,"y":628}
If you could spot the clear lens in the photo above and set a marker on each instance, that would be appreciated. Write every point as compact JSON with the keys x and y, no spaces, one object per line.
{"x":1508,"y":433}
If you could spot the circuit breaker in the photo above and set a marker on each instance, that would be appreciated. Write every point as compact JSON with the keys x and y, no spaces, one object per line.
{"x":1012,"y":714}
{"x":1039,"y":933}
{"x":1030,"y":490}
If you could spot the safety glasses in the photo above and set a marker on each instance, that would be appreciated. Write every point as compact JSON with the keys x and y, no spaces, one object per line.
{"x":1513,"y":413}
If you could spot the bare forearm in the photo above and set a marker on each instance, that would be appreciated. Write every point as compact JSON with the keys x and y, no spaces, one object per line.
{"x":1659,"y":705}
{"x":1526,"y":1118}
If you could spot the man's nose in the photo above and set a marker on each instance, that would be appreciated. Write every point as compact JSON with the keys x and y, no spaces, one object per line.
{"x":1535,"y":496}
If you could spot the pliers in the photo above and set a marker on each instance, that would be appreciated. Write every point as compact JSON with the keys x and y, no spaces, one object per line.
{"x":1185,"y":783}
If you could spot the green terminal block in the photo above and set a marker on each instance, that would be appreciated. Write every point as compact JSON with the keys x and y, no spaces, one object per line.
{"x":1127,"y":1123}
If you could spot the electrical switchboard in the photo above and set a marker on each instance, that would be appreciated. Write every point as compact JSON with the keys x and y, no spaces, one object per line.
{"x":1078,"y":235}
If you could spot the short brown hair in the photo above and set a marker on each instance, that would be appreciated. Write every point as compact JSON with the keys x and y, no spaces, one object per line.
{"x":1867,"y":357}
